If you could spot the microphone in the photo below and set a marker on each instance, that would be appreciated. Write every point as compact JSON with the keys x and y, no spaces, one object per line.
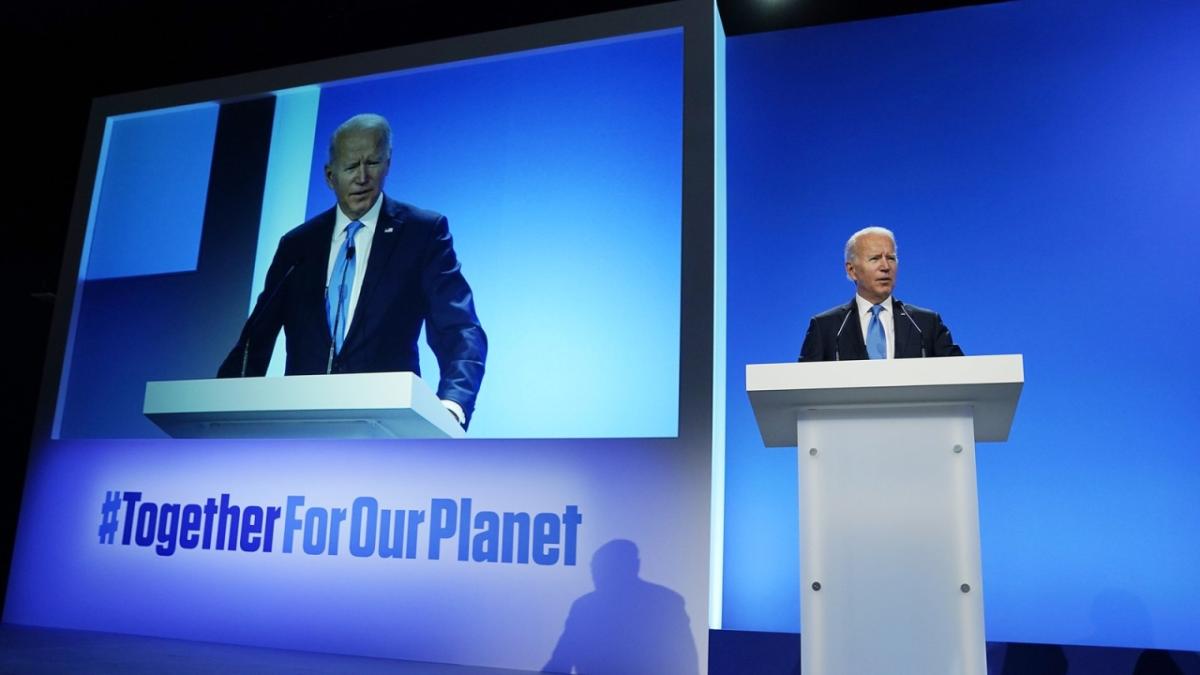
{"x":257,"y":315}
{"x":837,"y":349}
{"x":904,"y":311}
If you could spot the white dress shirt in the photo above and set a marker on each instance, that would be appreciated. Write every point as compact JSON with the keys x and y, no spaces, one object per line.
{"x":886,"y":317}
{"x":362,"y":251}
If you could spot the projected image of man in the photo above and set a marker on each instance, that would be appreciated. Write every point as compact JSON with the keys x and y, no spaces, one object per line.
{"x":874,"y":324}
{"x":352,"y":287}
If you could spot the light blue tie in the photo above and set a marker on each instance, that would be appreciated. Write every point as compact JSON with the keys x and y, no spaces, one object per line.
{"x":337,"y":295}
{"x":876,"y":339}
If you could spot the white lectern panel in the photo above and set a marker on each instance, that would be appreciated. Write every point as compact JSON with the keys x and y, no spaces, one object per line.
{"x":358,"y":405}
{"x":890,"y":564}
{"x":889,"y":515}
{"x":991,"y":384}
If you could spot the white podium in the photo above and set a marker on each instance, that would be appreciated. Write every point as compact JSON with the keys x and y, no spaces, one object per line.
{"x":890,"y":576}
{"x":360,"y":405}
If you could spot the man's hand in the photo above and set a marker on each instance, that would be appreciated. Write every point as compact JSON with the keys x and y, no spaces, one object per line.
{"x":456,"y":410}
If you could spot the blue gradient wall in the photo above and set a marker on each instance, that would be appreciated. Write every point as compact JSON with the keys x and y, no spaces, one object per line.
{"x":1039,"y":163}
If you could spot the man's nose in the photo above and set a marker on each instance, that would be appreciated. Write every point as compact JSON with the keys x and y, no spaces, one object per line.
{"x":360,"y":176}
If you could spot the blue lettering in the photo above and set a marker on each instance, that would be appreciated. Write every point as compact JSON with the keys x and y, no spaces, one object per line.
{"x":519,"y":521}
{"x":336,"y":518}
{"x":273,"y":513}
{"x":131,"y":499}
{"x":483,"y":536}
{"x":227,"y":521}
{"x":572,"y":518}
{"x":545,"y":538}
{"x":316,"y":522}
{"x":188,"y":537}
{"x":291,"y":523}
{"x":443,"y":513}
{"x":362,"y":534}
{"x":464,"y":526}
{"x":252,"y":524}
{"x":391,"y":546}
{"x":210,"y":512}
{"x":147,"y":514}
{"x":486,"y":545}
{"x":168,"y":522}
{"x":415,"y":518}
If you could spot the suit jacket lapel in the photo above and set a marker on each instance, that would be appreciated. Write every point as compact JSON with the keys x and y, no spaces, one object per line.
{"x":850,"y":344}
{"x":908,"y":340}
{"x":317,"y":272}
{"x":383,"y":244}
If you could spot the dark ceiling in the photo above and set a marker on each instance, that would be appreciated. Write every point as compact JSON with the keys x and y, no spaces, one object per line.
{"x":756,"y":16}
{"x":135,"y":44}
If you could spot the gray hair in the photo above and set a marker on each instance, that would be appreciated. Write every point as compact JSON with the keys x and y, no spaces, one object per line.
{"x":874,"y":229}
{"x":359,"y":123}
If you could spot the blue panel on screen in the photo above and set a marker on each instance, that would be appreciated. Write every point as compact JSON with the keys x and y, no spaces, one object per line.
{"x":1039,"y":165}
{"x":152,"y":191}
{"x":286,"y":187}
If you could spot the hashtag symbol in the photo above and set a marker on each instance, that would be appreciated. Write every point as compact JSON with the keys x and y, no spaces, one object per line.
{"x":108,"y":516}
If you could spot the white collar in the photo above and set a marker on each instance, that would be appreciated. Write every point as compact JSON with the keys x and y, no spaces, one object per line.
{"x":368,"y":219}
{"x":864,"y":305}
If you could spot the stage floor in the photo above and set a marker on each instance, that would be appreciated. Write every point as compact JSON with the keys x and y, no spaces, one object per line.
{"x":51,"y":651}
{"x":45,"y":651}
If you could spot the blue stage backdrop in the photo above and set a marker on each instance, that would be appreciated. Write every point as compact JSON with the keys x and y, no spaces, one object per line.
{"x":560,"y":172}
{"x":1040,"y":165}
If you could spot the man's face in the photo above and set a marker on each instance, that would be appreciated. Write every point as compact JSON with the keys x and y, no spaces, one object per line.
{"x":355,"y":173}
{"x":873,"y":268}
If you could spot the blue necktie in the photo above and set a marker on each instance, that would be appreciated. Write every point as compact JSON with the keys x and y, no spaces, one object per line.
{"x":876,"y":339}
{"x":337,"y":294}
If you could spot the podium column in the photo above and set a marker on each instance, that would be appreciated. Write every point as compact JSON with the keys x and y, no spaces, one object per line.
{"x":889,"y":540}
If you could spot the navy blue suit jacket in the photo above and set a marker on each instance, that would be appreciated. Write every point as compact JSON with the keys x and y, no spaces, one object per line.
{"x":413,"y":277}
{"x":836,"y":334}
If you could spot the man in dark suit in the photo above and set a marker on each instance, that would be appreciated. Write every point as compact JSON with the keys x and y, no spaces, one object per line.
{"x":874,"y":324}
{"x":352,"y":287}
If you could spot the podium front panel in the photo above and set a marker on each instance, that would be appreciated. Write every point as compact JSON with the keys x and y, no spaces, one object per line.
{"x":889,"y":560}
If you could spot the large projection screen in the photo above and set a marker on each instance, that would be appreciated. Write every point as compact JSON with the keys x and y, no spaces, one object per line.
{"x":574,"y":163}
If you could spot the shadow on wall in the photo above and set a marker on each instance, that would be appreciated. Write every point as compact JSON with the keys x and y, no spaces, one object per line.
{"x":627,"y":625}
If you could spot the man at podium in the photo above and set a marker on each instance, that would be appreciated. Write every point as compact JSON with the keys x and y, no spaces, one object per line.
{"x":352,"y":287}
{"x":874,"y":324}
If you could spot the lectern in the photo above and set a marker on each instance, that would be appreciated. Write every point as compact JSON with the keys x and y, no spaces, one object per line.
{"x":890,"y":576}
{"x":359,"y":405}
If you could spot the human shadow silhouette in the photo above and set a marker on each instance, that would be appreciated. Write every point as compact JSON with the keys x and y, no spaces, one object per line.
{"x":627,"y":625}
